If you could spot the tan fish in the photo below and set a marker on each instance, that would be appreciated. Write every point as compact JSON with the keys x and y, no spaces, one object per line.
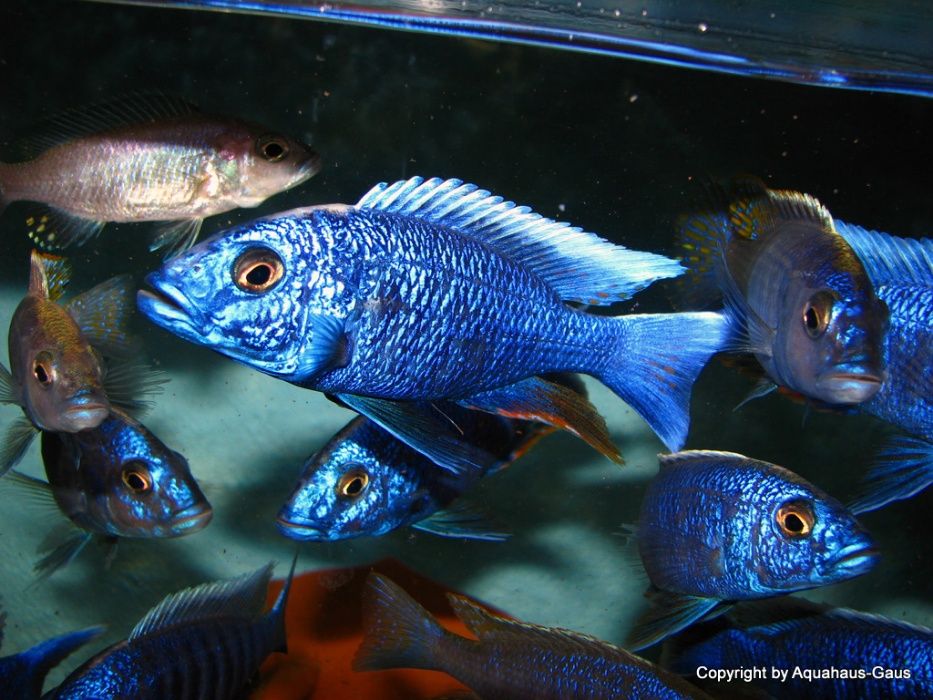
{"x":149,"y":158}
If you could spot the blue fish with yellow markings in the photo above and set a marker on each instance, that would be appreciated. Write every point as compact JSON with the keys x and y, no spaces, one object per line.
{"x":822,"y":652}
{"x":365,"y":482}
{"x":56,"y":372}
{"x":428,"y":290}
{"x":717,"y":527}
{"x":902,"y":271}
{"x":508,"y":660}
{"x":116,"y":480}
{"x":202,"y":643}
{"x":22,"y":675}
{"x":800,"y":300}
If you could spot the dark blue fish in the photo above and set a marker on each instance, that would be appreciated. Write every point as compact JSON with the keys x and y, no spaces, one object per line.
{"x":800,"y":299}
{"x":22,"y":675}
{"x":429,"y":290}
{"x":202,"y":643}
{"x":365,"y":482}
{"x":718,"y":527}
{"x":117,"y":480}
{"x":872,"y":657}
{"x":902,"y":271}
{"x":509,"y":660}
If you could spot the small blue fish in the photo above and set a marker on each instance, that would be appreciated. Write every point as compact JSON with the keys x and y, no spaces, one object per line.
{"x":433,"y":290}
{"x":871,"y":657}
{"x":56,"y":372}
{"x":203,"y":643}
{"x":365,"y":482}
{"x":509,"y":660}
{"x":799,"y":298}
{"x":902,"y":270}
{"x":22,"y":675}
{"x":718,"y":527}
{"x":116,"y":480}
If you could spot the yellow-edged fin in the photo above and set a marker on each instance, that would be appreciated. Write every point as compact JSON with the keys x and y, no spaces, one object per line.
{"x":103,"y":314}
{"x":48,"y":275}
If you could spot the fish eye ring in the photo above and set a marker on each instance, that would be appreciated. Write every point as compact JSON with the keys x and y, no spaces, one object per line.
{"x":817,"y":314}
{"x":353,"y":484}
{"x":272,"y":148}
{"x":257,"y":270}
{"x":795,"y":519}
{"x":43,"y":369}
{"x":136,"y":478}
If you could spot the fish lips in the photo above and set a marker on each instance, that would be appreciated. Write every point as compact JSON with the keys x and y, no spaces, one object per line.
{"x":853,"y":560}
{"x":848,"y":385}
{"x":169,"y":308}
{"x":85,"y":411}
{"x":301,"y":530}
{"x":191,"y":519}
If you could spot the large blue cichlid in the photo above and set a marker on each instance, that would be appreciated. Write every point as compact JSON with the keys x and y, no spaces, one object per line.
{"x":430,"y":289}
{"x":508,"y":660}
{"x":202,"y":643}
{"x":800,"y":300}
{"x":902,"y":271}
{"x":718,"y":527}
{"x":365,"y":482}
{"x":818,"y":652}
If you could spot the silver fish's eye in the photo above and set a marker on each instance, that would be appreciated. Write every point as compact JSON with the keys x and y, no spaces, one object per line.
{"x":43,"y":369}
{"x":817,"y":314}
{"x":353,"y":484}
{"x":135,"y":476}
{"x":272,"y":148}
{"x":257,"y":270}
{"x":795,"y":520}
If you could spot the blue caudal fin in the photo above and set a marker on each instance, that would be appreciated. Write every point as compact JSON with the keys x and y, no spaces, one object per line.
{"x":397,"y":631}
{"x":657,"y":359}
{"x":903,"y":468}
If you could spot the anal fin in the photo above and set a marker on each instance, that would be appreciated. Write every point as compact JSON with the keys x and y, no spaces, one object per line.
{"x":54,"y":229}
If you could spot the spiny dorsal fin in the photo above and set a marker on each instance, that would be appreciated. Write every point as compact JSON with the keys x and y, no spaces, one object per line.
{"x":48,"y":275}
{"x":700,"y":456}
{"x":125,"y":110}
{"x":241,"y":597}
{"x":754,"y":214}
{"x":889,"y":259}
{"x":577,"y":265}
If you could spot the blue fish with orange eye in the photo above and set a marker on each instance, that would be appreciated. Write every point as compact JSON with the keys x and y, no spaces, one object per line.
{"x":365,"y":482}
{"x":116,"y":480}
{"x":718,"y":527}
{"x":22,"y":674}
{"x":799,"y":298}
{"x":508,"y":660}
{"x":433,"y":290}
{"x":203,"y":643}
{"x":826,"y":652}
{"x":902,"y":271}
{"x":57,"y":374}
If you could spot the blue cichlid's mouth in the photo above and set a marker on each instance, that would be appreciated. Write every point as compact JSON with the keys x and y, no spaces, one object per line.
{"x":299,"y":531}
{"x":847,"y":387}
{"x":855,"y":559}
{"x":191,"y":519}
{"x":166,"y":306}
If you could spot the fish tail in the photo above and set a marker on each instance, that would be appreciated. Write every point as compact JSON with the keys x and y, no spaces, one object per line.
{"x":397,"y":631}
{"x":657,"y":359}
{"x":903,"y":469}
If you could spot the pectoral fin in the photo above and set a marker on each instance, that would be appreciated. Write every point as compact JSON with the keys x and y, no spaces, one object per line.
{"x":463,"y":520}
{"x":669,"y":613}
{"x":18,"y":437}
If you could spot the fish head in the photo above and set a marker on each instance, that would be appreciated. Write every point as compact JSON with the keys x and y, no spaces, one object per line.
{"x":261,"y":163}
{"x":58,"y":371}
{"x":807,"y":538}
{"x":250,"y":293}
{"x":347,"y":490}
{"x":136,"y":486}
{"x":832,"y":343}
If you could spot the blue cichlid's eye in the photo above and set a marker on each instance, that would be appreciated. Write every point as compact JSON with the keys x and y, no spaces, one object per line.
{"x":136,"y":478}
{"x":272,"y":148}
{"x":795,"y":520}
{"x":817,"y":314}
{"x":257,"y":270}
{"x":353,"y":483}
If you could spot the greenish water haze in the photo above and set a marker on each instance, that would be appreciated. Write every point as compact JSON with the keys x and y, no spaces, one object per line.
{"x":614,"y":146}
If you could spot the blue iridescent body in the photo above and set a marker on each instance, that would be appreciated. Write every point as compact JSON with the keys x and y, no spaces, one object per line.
{"x":432,"y":290}
{"x":365,"y":482}
{"x":718,"y":526}
{"x":203,"y":643}
{"x":902,"y":271}
{"x":22,"y":674}
{"x":509,"y":660}
{"x":874,"y":658}
{"x":801,"y":301}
